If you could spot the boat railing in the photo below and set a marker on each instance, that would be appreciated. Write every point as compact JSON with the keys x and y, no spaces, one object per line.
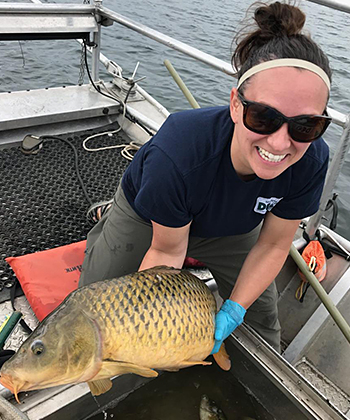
{"x":68,"y":23}
{"x":342,"y":5}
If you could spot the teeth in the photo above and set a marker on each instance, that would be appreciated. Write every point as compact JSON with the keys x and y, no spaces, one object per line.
{"x":269,"y":156}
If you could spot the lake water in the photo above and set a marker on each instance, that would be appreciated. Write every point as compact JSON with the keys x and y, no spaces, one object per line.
{"x":207,"y":25}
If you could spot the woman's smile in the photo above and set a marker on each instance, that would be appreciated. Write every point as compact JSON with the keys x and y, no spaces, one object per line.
{"x":270,"y":157}
{"x":290,"y":91}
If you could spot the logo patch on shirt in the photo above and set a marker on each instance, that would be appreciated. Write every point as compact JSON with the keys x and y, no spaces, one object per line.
{"x":265,"y":204}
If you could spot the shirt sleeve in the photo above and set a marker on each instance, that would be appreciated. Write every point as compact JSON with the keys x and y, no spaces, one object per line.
{"x":162,"y":194}
{"x":307,"y":184}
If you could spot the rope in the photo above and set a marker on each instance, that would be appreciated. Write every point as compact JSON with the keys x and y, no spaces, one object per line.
{"x":304,"y":285}
{"x":128,"y":150}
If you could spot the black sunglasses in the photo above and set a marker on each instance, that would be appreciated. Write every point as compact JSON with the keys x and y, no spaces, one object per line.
{"x":263,"y":119}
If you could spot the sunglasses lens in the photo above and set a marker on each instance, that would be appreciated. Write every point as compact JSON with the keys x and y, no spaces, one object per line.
{"x":262,"y":119}
{"x":307,"y":129}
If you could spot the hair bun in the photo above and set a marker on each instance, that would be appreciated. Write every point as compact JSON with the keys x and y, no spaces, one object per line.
{"x":279,"y":19}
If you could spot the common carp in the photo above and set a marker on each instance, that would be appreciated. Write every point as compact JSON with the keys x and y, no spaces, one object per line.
{"x":161,"y":318}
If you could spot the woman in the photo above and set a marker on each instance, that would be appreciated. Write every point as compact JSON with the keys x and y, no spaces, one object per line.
{"x":229,"y":185}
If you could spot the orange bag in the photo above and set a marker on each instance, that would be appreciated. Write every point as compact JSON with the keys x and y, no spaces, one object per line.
{"x":315,"y":258}
{"x":47,"y":277}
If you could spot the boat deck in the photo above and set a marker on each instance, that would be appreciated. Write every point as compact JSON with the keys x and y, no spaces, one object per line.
{"x":311,"y":340}
{"x":42,"y":204}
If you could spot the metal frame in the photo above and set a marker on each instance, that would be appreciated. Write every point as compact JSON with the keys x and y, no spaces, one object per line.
{"x":96,"y":54}
{"x":10,"y":8}
{"x":286,"y":378}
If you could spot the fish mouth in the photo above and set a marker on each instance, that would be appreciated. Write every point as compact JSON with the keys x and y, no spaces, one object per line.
{"x":13,"y":387}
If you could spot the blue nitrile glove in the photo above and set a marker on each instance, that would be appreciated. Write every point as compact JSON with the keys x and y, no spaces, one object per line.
{"x":229,"y":317}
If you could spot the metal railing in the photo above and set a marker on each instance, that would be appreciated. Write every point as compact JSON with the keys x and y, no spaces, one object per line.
{"x":168,"y":41}
{"x":342,"y":5}
{"x":97,"y":9}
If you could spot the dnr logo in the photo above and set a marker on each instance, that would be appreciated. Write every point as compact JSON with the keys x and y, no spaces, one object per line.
{"x":265,"y":204}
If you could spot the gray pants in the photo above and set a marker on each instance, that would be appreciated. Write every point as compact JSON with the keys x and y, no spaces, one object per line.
{"x":118,"y":242}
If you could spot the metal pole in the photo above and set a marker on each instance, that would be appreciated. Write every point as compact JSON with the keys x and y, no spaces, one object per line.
{"x":96,"y":48}
{"x":321,"y":293}
{"x":342,"y":5}
{"x":332,"y":175}
{"x":45,"y":8}
{"x":181,"y":84}
{"x":168,"y":41}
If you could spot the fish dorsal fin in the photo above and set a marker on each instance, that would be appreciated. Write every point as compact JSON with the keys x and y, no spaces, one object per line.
{"x":222,"y":358}
{"x":100,"y":386}
{"x":111,"y":368}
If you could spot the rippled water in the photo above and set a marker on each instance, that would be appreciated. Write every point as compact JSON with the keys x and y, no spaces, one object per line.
{"x":207,"y":25}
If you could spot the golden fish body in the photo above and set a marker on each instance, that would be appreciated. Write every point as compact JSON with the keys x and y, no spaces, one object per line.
{"x":155,"y":318}
{"x":161,"y":318}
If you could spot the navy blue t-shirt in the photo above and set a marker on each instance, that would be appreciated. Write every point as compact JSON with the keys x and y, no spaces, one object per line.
{"x":185,"y":173}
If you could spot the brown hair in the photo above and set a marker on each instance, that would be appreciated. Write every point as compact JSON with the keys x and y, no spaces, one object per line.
{"x":278,"y":36}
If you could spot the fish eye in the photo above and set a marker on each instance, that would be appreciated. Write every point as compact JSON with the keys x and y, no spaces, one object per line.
{"x":37,"y":347}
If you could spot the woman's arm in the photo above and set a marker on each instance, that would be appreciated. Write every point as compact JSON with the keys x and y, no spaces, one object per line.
{"x":265,"y":259}
{"x":168,"y":247}
{"x":260,"y":268}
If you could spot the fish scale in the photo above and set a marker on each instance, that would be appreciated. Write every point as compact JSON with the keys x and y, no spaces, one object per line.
{"x":150,"y":309}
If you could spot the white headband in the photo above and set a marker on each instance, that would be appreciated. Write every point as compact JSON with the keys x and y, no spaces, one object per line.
{"x":285,"y":62}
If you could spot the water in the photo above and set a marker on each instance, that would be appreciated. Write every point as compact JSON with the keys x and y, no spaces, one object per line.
{"x":207,"y":25}
{"x":177,"y":395}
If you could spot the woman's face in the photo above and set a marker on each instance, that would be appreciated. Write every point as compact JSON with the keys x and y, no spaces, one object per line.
{"x":289,"y":90}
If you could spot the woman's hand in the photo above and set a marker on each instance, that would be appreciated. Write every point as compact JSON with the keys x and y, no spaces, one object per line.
{"x":229,"y":317}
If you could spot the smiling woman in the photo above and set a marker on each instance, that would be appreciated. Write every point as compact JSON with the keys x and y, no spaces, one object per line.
{"x":270,"y":143}
{"x":220,"y":184}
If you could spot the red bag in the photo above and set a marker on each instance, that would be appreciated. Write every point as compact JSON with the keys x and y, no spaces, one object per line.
{"x":47,"y":277}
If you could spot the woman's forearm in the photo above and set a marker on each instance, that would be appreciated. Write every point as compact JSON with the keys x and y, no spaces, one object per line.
{"x":168,"y":247}
{"x":260,"y":268}
{"x":155,"y":257}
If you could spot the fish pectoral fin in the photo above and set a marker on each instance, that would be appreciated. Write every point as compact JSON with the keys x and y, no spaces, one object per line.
{"x":100,"y":386}
{"x":222,"y":358}
{"x":187,"y":363}
{"x":113,"y":368}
